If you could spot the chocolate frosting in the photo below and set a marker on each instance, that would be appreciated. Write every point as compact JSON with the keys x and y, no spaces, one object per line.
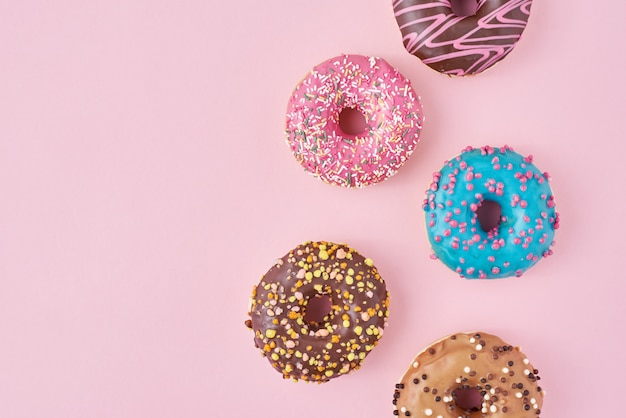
{"x":461,"y":45}
{"x":319,"y":351}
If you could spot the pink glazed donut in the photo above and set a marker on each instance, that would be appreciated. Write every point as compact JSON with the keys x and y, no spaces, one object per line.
{"x":392,"y":115}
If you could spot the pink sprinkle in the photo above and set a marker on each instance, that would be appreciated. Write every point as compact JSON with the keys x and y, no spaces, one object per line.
{"x":437,"y":238}
{"x":447,"y":233}
{"x":495,"y":270}
{"x":454,"y":223}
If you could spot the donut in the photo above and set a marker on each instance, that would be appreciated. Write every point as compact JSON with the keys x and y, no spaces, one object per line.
{"x":469,"y":375}
{"x":392,"y":115}
{"x":523,"y":233}
{"x":461,"y":45}
{"x":318,"y":351}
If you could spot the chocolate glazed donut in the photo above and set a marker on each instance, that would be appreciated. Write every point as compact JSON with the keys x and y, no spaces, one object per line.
{"x":337,"y":344}
{"x":461,"y":45}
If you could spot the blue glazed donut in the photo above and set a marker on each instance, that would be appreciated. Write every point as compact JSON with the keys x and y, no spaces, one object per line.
{"x":525,"y":231}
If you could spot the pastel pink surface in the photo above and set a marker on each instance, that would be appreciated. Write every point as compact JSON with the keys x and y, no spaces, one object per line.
{"x":145,"y":186}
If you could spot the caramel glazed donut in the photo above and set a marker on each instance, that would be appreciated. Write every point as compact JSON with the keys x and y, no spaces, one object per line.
{"x":319,"y":351}
{"x":444,"y":377}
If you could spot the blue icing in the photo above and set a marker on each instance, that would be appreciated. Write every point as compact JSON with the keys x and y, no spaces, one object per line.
{"x":526,"y":229}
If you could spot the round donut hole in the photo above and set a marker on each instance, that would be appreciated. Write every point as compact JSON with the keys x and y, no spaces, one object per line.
{"x":463,"y":8}
{"x":352,"y":122}
{"x":317,"y":308}
{"x":468,"y":399}
{"x":489,"y":214}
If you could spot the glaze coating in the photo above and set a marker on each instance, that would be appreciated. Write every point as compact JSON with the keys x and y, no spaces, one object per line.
{"x":461,"y":45}
{"x":500,"y":373}
{"x":388,"y":103}
{"x":338,"y":344}
{"x":525,"y":233}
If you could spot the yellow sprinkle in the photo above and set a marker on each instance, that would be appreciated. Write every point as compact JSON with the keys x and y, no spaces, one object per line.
{"x":274,"y":356}
{"x":358,"y":330}
{"x":351,"y":356}
{"x":323,"y":255}
{"x":349,"y":280}
{"x":369,"y":262}
{"x":270,"y":333}
{"x":329,"y":345}
{"x":308,"y":275}
{"x":346,"y":324}
{"x":328,"y":373}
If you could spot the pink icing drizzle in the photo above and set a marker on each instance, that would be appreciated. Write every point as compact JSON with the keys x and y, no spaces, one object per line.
{"x":461,"y":45}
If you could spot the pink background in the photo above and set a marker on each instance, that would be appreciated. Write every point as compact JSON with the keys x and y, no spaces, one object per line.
{"x":145,"y":187}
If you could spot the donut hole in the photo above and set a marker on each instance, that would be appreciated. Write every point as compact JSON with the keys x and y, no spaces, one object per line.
{"x":463,"y":8}
{"x":468,"y":399}
{"x":352,"y":122}
{"x":317,"y":308}
{"x":489,"y":214}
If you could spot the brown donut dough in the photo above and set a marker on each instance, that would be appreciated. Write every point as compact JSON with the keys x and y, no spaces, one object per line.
{"x":440,"y":379}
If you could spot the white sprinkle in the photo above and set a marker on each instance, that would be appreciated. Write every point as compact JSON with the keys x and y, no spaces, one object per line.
{"x":505,"y":370}
{"x":416,"y":365}
{"x":466,"y":369}
{"x":428,"y":412}
{"x":493,"y":408}
{"x":472,"y":340}
{"x":479,"y":347}
{"x":533,"y":401}
{"x":447,"y":399}
{"x":403,"y":409}
{"x":526,"y":372}
{"x":526,"y":361}
{"x":518,"y":395}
